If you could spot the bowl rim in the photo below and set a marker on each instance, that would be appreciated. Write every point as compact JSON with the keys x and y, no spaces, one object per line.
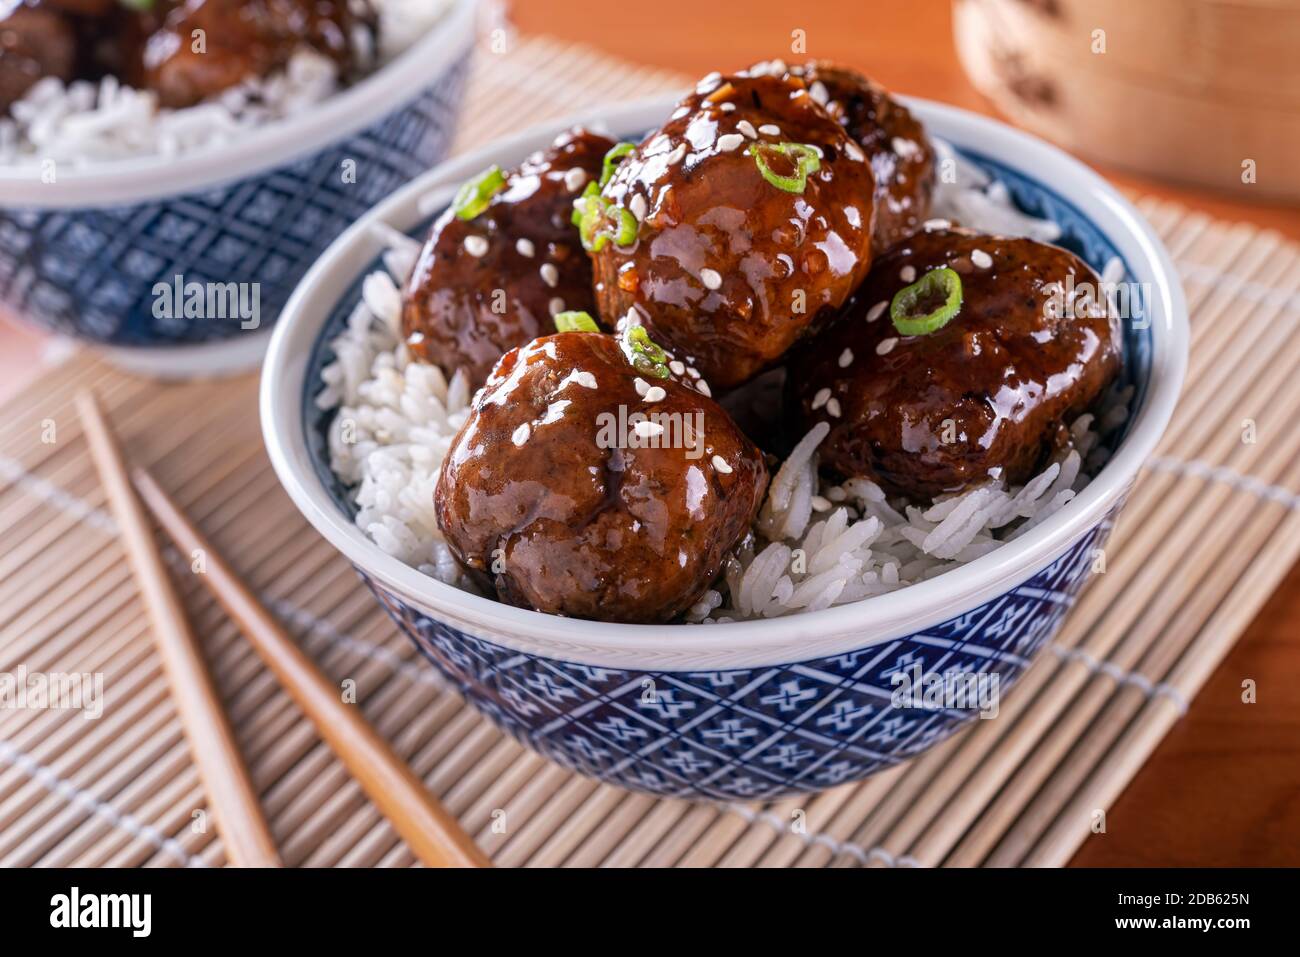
{"x":339,"y":116}
{"x":834,"y":630}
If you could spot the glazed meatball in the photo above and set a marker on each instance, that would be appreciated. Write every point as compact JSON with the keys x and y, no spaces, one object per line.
{"x":753,"y":216}
{"x":985,"y":396}
{"x":486,"y":284}
{"x":36,"y":40}
{"x":902,"y":157}
{"x":246,"y":39}
{"x":588,"y":487}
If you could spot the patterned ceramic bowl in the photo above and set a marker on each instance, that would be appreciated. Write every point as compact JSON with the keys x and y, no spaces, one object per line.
{"x":749,"y":709}
{"x":82,"y":256}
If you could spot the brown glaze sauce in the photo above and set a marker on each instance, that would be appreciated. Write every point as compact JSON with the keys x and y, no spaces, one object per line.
{"x":546,"y":498}
{"x":726,"y":267}
{"x":986,"y":396}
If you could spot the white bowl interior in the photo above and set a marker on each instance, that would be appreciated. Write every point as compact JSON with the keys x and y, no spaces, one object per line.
{"x":752,"y":643}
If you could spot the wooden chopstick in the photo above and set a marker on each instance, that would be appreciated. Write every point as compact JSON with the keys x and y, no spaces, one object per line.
{"x":434,"y":836}
{"x":226,"y":782}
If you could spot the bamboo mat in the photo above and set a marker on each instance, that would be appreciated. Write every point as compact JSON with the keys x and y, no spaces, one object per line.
{"x":1210,"y":529}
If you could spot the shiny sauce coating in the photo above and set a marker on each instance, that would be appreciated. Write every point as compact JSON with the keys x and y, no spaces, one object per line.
{"x":985,"y":397}
{"x":727,"y":267}
{"x":485,"y":285}
{"x":553,"y":491}
{"x":902,"y":157}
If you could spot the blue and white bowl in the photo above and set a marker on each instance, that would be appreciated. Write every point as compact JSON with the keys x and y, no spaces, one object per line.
{"x":82,"y":256}
{"x":747,"y":709}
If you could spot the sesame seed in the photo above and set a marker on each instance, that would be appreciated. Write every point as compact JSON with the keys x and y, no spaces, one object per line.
{"x":655,"y":394}
{"x":585,"y":379}
{"x":729,"y":141}
{"x":556,"y":306}
{"x":727,"y":107}
{"x":575,"y":179}
{"x":818,"y":92}
{"x":711,"y":278}
{"x":770,"y":129}
{"x":647,"y":429}
{"x":641,"y":386}
{"x":854,"y":152}
{"x":550,"y":275}
{"x":833,"y":407}
{"x":907,"y":274}
{"x":525,"y":247}
{"x":747,"y":128}
{"x":819,"y":504}
{"x":904,"y":148}
{"x":693,"y":372}
{"x":677,"y":367}
{"x":936,"y":224}
{"x":846,"y":358}
{"x":820,"y":398}
{"x":876,"y":311}
{"x":703,"y":388}
{"x":476,"y":245}
{"x":721,"y":465}
{"x":886,"y":346}
{"x":637,"y":205}
{"x":709,"y":83}
{"x":677,"y":155}
{"x":981,"y":259}
{"x":521,"y":434}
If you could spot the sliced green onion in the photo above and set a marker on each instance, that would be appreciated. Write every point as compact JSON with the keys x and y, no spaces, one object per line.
{"x":805,"y":159}
{"x":475,"y":194}
{"x":928,"y":304}
{"x":644,"y":353}
{"x":580,"y":204}
{"x":598,"y":221}
{"x":612,"y":159}
{"x":575,"y":321}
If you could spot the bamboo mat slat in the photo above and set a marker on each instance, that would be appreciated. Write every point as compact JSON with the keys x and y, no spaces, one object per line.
{"x":1209,"y":530}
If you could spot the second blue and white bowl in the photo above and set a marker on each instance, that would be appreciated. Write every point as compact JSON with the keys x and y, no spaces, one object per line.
{"x":86,"y":256}
{"x":761,"y":709}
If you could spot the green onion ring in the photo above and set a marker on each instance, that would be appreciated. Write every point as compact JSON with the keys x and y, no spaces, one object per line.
{"x":475,"y":194}
{"x":805,"y":159}
{"x":598,"y":221}
{"x":937,"y":282}
{"x":612,"y":158}
{"x":575,"y":321}
{"x":643,"y":352}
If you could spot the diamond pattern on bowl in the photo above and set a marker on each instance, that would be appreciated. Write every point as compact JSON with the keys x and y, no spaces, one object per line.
{"x":90,"y":273}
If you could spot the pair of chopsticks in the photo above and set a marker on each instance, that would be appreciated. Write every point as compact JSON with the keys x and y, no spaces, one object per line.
{"x":433,"y":835}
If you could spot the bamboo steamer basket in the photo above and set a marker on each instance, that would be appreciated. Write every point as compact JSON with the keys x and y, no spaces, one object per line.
{"x":1185,"y":90}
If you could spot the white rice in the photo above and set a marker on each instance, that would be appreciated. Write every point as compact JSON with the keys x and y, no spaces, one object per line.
{"x":83,"y":123}
{"x":815,"y":543}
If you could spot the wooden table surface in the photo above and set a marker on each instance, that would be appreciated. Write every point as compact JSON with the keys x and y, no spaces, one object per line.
{"x":1224,"y":787}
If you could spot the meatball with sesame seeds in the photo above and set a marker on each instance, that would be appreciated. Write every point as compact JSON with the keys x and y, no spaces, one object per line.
{"x":590,"y":481}
{"x":960,"y":360}
{"x":900,"y":152}
{"x":735,"y":227}
{"x":246,"y":39}
{"x":503,"y":260}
